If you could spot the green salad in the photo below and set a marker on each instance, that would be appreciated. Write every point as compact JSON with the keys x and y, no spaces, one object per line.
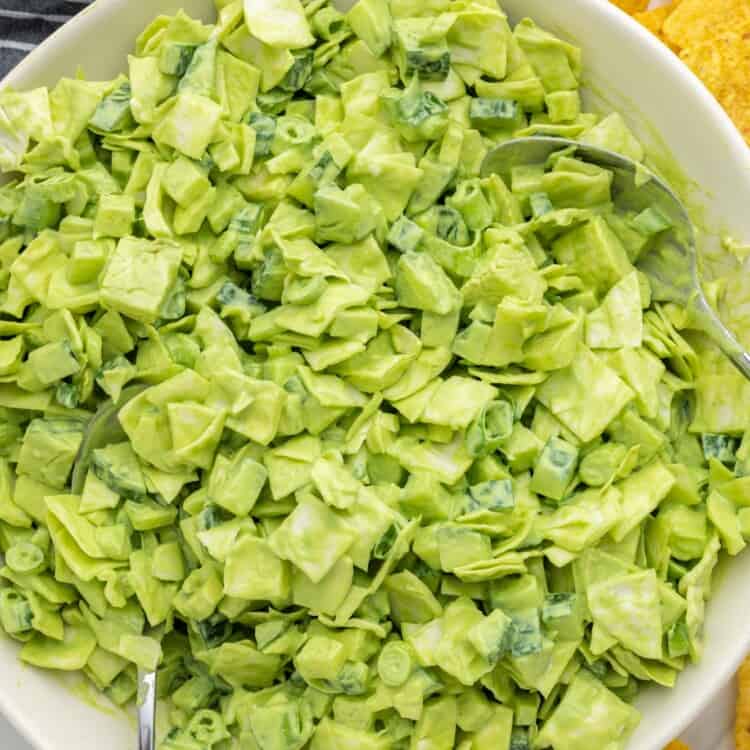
{"x":415,"y":460}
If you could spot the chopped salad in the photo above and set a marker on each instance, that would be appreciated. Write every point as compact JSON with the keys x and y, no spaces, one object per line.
{"x":415,"y":460}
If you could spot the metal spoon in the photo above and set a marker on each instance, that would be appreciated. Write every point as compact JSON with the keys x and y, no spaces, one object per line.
{"x":104,"y":429}
{"x":672,"y":266}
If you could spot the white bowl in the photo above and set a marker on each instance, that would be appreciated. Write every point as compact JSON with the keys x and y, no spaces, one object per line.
{"x":663,"y":101}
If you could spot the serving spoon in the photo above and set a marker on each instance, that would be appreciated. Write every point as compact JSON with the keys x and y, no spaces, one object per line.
{"x":103,"y":429}
{"x":672,"y":265}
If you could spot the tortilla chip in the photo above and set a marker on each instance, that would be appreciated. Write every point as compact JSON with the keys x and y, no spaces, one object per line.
{"x":695,"y":21}
{"x":676,"y":745}
{"x":742,"y":720}
{"x":723,"y":63}
{"x":632,"y":6}
{"x":654,"y":19}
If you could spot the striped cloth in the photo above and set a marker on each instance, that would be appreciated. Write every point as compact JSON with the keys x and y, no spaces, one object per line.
{"x":26,"y":23}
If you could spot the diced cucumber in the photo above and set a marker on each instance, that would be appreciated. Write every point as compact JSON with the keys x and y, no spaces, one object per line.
{"x":526,"y":635}
{"x":15,"y":612}
{"x":297,"y":76}
{"x":113,"y":112}
{"x":405,"y":235}
{"x":561,"y":613}
{"x":174,"y":58}
{"x":494,"y":495}
{"x":119,"y":468}
{"x":720,"y":447}
{"x":493,"y":636}
{"x":492,"y":114}
{"x":265,"y":129}
{"x":554,"y":469}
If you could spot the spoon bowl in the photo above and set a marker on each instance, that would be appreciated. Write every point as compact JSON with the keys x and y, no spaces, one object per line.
{"x":672,"y":264}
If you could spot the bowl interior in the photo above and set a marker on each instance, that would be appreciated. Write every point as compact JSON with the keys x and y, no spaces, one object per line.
{"x":689,"y":138}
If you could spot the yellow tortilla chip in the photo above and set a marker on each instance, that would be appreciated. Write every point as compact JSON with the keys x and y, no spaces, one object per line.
{"x":676,"y":745}
{"x":742,"y":720}
{"x":654,"y":19}
{"x":695,"y":21}
{"x":723,"y":63}
{"x":632,"y":6}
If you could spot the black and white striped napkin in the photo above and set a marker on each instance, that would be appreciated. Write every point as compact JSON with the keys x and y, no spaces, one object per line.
{"x":26,"y":23}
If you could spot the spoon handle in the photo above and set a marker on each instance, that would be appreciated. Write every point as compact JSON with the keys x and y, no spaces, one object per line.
{"x":146,"y":710}
{"x":726,"y":341}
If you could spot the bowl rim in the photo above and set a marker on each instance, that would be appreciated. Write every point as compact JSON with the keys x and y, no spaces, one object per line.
{"x":662,"y":55}
{"x":717,"y":678}
{"x":669,"y":57}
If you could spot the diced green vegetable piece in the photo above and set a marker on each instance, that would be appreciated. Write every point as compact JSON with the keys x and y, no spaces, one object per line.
{"x":168,"y":562}
{"x":562,"y":614}
{"x":184,"y":181}
{"x":35,"y":211}
{"x":723,"y":514}
{"x":254,"y":572}
{"x":487,"y":114}
{"x":15,"y":612}
{"x":189,"y":125}
{"x":175,"y":58}
{"x":87,"y":260}
{"x":651,"y":221}
{"x":118,"y":467}
{"x":395,"y":663}
{"x":146,"y":515}
{"x":49,"y":449}
{"x":573,"y":721}
{"x":431,"y":61}
{"x":526,"y":633}
{"x":720,"y":447}
{"x":405,"y":235}
{"x":493,"y":636}
{"x":199,"y":78}
{"x":458,"y":546}
{"x":490,"y":429}
{"x":284,"y":725}
{"x":471,"y":201}
{"x":540,"y":204}
{"x":296,"y":77}
{"x":601,"y":464}
{"x":422,"y":284}
{"x":678,"y":640}
{"x":115,"y":216}
{"x":53,"y":362}
{"x":563,"y":106}
{"x":313,"y":538}
{"x":138,"y":276}
{"x":410,"y":599}
{"x":554,"y":469}
{"x":494,"y":495}
{"x":265,"y":130}
{"x":516,"y":593}
{"x":342,"y":215}
{"x":113,"y":112}
{"x":418,"y":115}
{"x":371,"y":22}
